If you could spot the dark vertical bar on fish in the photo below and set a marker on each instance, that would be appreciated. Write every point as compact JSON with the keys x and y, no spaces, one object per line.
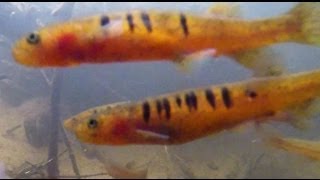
{"x":130,"y":22}
{"x":210,"y":98}
{"x":226,"y":97}
{"x":146,"y":21}
{"x":166,"y":105}
{"x":184,"y":24}
{"x":146,"y":111}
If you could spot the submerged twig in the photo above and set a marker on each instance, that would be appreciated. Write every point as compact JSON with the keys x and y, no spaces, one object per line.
{"x":84,"y":176}
{"x":53,"y":170}
{"x":34,"y":168}
{"x":71,"y":154}
{"x":56,"y":124}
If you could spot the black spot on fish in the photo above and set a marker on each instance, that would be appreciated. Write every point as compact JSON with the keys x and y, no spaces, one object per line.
{"x":178,"y":101}
{"x":146,"y":21}
{"x":226,"y":97}
{"x":184,"y":24}
{"x":166,"y":105}
{"x":191,"y":101}
{"x":210,"y":98}
{"x":130,"y":22}
{"x":104,"y":20}
{"x":159,"y":107}
{"x":146,"y":111}
{"x":250,"y":93}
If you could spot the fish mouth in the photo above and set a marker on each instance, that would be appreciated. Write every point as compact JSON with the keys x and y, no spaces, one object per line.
{"x":69,"y":125}
{"x":22,"y":56}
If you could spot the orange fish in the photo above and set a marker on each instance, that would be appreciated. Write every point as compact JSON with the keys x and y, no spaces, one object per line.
{"x":187,"y":115}
{"x":170,"y":36}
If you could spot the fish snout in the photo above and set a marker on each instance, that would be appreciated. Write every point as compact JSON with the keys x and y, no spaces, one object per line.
{"x":70,"y":124}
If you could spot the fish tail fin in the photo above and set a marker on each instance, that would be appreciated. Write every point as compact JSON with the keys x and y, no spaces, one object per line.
{"x":307,"y":14}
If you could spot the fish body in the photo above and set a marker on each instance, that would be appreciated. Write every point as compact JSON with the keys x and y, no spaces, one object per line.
{"x":184,"y":116}
{"x":154,"y":35}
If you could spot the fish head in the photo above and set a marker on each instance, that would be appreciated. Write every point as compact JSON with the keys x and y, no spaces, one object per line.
{"x":101,"y":125}
{"x":57,"y":45}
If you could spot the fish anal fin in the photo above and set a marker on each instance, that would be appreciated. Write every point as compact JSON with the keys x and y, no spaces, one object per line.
{"x":225,"y":9}
{"x":263,"y":61}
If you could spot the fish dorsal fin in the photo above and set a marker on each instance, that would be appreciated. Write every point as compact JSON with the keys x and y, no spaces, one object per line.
{"x":225,"y":9}
{"x":151,"y":134}
{"x":263,"y":61}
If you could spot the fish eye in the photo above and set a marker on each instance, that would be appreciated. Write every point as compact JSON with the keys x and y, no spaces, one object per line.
{"x":92,"y":123}
{"x":33,"y":38}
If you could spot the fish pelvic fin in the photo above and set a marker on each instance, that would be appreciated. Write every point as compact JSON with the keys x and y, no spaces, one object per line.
{"x":308,"y":15}
{"x":263,"y":61}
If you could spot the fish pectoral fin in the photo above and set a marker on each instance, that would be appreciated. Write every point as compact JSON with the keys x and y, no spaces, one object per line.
{"x":151,"y":134}
{"x":184,"y":61}
{"x":225,"y":9}
{"x":263,"y":61}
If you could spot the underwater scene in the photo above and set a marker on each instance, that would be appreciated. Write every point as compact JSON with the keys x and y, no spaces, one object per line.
{"x":159,"y":90}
